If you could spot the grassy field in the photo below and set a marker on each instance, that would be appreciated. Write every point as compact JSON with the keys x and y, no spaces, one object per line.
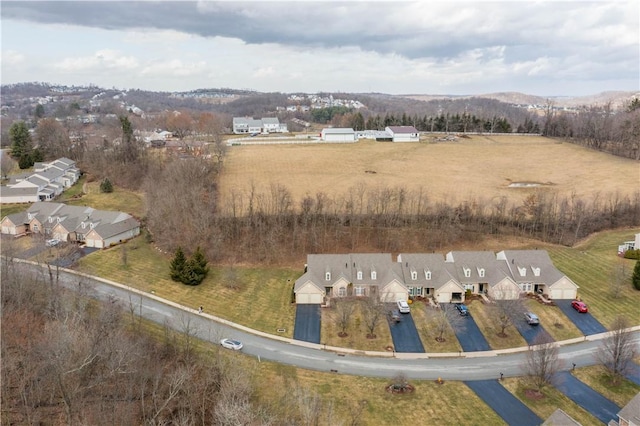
{"x":480,"y":167}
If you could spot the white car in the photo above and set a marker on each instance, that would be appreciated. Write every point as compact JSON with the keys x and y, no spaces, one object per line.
{"x":231,"y":344}
{"x":403,"y":307}
{"x":52,"y":242}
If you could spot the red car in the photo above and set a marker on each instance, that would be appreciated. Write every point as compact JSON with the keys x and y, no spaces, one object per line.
{"x":579,"y":306}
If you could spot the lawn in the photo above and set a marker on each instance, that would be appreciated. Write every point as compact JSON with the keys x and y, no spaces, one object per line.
{"x":553,"y":320}
{"x":599,"y":379}
{"x":262,"y":299}
{"x":424,"y":317}
{"x":483,"y":317}
{"x":552,"y":400}
{"x":591,"y":266}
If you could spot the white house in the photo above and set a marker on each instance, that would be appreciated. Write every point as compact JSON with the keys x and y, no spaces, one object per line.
{"x":630,"y":245}
{"x":338,"y":134}
{"x":46,"y":182}
{"x":403,"y":133}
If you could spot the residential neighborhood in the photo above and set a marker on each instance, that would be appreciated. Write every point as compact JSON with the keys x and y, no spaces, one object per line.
{"x":444,"y":279}
{"x":44,"y":183}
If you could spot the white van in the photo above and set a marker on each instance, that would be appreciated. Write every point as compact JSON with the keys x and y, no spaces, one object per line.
{"x":403,"y":306}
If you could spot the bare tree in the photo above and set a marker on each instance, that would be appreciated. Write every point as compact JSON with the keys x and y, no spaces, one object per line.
{"x":373,"y":312}
{"x":617,"y":350}
{"x":503,"y":311}
{"x":542,"y":361}
{"x":7,"y":164}
{"x":619,"y":279}
{"x":444,"y":320}
{"x":342,"y":312}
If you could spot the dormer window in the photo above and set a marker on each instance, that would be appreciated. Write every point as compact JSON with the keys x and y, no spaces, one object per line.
{"x":50,"y":219}
{"x":359,"y":274}
{"x":427,"y":275}
{"x":29,"y":216}
{"x":467,"y":272}
{"x":84,"y":225}
{"x":536,"y":271}
{"x":481,"y":272}
{"x":414,"y":275}
{"x":522,"y":270}
{"x":327,"y":276}
{"x":374,"y":275}
{"x":58,"y":220}
{"x":92,"y":225}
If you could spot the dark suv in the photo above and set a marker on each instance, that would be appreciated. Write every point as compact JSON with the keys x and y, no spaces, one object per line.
{"x":462,"y":309}
{"x":394,"y":315}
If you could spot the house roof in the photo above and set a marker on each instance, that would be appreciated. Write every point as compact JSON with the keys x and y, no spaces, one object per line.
{"x":7,"y":191}
{"x":338,"y":130}
{"x":475,"y":262}
{"x":560,"y":418}
{"x":525,"y":264}
{"x":270,"y":120}
{"x":421,"y":263}
{"x":403,"y":129}
{"x":108,"y":230}
{"x":631,"y":411}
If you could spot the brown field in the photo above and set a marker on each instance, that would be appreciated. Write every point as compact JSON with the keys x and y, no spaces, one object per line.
{"x":477,"y":167}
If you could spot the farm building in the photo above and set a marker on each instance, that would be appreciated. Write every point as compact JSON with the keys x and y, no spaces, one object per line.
{"x":338,"y":134}
{"x":403,"y":133}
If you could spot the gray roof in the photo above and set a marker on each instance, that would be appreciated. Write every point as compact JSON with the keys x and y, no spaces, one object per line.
{"x":420,"y":263}
{"x":523,"y":265}
{"x":631,"y":411}
{"x":270,"y":120}
{"x":475,"y":261}
{"x":560,"y":418}
{"x":403,"y":129}
{"x":7,"y":191}
{"x":338,"y":130}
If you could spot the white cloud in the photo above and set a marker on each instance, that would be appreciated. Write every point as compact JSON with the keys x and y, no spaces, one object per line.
{"x":11,"y":57}
{"x":102,"y":59}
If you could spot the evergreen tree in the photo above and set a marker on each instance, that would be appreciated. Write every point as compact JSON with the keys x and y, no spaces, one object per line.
{"x":39,"y":112}
{"x":106,"y":186}
{"x":200,"y":263}
{"x":196,"y":269}
{"x":178,"y":265}
{"x":25,"y":161}
{"x":20,"y":140}
{"x":635,"y":278}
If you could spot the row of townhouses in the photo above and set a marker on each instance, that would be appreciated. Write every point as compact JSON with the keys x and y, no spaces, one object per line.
{"x":73,"y":224}
{"x":46,"y":182}
{"x":505,"y":275}
{"x":389,"y":134}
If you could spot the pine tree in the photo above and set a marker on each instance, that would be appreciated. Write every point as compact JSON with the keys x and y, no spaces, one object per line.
{"x":106,"y":186}
{"x":200,"y":262}
{"x":196,"y":269}
{"x":635,"y":278}
{"x":20,"y":140}
{"x":178,"y":265}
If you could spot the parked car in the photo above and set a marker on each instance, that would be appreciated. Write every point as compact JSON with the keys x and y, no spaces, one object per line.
{"x":532,"y":319}
{"x":403,"y":307}
{"x":462,"y":309}
{"x":52,"y":242}
{"x":394,"y":315}
{"x":231,"y":344}
{"x":579,"y":306}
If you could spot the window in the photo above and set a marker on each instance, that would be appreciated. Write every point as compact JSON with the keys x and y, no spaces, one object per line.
{"x":418,"y":291}
{"x":359,"y":275}
{"x":467,"y":272}
{"x":50,"y":219}
{"x":359,"y":291}
{"x":481,"y":272}
{"x":342,"y":292}
{"x":526,"y":287}
{"x":414,"y":275}
{"x":468,"y":287}
{"x":374,"y":275}
{"x":411,"y":291}
{"x":427,"y":275}
{"x":35,"y":227}
{"x":523,"y":271}
{"x":327,"y":276}
{"x":84,"y":225}
{"x":536,"y":271}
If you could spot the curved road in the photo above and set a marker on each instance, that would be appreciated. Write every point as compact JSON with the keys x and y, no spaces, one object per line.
{"x":206,"y":327}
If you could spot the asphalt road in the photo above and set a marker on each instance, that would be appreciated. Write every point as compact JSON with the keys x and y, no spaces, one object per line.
{"x":312,"y":358}
{"x":467,"y":331}
{"x":405,"y":335}
{"x":504,"y":403}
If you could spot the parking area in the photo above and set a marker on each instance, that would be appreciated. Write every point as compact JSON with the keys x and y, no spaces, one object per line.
{"x":504,"y":403}
{"x":468,"y":334}
{"x":307,"y":325}
{"x":405,"y":335}
{"x":593,"y":402}
{"x":585,"y":322}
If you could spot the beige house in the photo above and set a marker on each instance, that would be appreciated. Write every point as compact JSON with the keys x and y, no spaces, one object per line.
{"x":428,"y":275}
{"x":480,"y":272}
{"x":81,"y":224}
{"x":629,"y":415}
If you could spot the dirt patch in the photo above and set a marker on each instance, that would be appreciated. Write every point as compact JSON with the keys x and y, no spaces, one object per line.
{"x":371,"y":336}
{"x":396,"y":389}
{"x":533,"y":394}
{"x":342,"y":334}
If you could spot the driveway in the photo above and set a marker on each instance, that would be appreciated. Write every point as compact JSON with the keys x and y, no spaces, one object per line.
{"x":586,"y":323}
{"x":307,"y":325}
{"x":405,"y":335}
{"x":504,"y":403}
{"x":596,"y":404}
{"x":530,"y":332}
{"x":468,"y":334}
{"x":634,"y":373}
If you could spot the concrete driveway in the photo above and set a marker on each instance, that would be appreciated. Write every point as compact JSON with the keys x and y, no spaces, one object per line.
{"x":586,"y":323}
{"x":307,"y":325}
{"x":405,"y":335}
{"x":596,"y":404}
{"x":468,"y":334}
{"x":504,"y":403}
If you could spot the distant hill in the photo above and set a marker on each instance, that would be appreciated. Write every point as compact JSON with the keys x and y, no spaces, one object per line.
{"x":617,"y":98}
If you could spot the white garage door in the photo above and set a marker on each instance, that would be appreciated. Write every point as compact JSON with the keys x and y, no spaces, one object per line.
{"x":559,"y":293}
{"x":306,"y":298}
{"x":444,"y":297}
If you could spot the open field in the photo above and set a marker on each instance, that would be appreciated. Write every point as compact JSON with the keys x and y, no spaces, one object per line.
{"x":478,"y":167}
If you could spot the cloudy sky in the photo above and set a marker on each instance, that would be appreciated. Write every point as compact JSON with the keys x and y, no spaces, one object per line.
{"x":546,"y":48}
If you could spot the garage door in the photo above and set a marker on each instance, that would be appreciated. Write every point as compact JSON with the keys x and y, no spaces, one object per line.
{"x":306,"y":298}
{"x":444,"y":297}
{"x":560,"y":293}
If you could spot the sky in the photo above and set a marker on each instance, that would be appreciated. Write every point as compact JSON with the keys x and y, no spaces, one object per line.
{"x":544,"y":48}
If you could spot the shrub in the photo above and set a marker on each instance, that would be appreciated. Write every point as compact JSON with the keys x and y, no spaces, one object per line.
{"x":106,"y":186}
{"x":635,"y":278}
{"x":632,"y":254}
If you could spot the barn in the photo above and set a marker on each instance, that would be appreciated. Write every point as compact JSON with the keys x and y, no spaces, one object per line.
{"x":338,"y":135}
